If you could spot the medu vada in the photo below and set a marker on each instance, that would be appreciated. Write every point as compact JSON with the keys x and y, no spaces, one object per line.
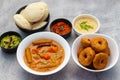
{"x":99,"y":43}
{"x":86,"y":56}
{"x":100,"y":61}
{"x":79,"y":50}
{"x":85,"y":42}
{"x":107,"y":51}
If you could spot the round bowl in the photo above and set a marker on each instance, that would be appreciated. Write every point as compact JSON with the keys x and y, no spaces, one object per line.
{"x":61,"y":27}
{"x":9,"y":33}
{"x":36,"y":30}
{"x":79,"y":30}
{"x":40,"y":35}
{"x":114,"y":51}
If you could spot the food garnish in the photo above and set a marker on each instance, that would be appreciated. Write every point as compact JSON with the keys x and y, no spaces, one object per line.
{"x":85,"y":26}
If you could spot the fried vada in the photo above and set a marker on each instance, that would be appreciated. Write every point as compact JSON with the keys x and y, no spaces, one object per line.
{"x":85,"y":42}
{"x":86,"y":56}
{"x":100,"y":61}
{"x":99,"y":44}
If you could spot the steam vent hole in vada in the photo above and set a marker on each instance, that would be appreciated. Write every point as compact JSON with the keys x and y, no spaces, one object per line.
{"x":94,"y":53}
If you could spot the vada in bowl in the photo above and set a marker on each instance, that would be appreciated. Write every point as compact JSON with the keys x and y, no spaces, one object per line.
{"x":89,"y":58}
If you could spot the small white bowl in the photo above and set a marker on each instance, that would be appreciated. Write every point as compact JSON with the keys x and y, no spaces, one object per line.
{"x":42,"y":35}
{"x":78,"y":32}
{"x":114,"y":51}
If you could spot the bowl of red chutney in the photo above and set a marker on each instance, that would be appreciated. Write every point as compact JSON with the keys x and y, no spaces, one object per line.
{"x":61,"y":26}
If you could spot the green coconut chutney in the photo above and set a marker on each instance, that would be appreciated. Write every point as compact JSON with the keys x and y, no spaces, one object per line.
{"x":10,"y":41}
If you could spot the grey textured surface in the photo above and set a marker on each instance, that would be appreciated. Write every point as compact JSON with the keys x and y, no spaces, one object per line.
{"x":107,"y":11}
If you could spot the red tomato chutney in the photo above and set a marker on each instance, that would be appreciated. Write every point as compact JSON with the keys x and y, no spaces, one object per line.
{"x":61,"y":28}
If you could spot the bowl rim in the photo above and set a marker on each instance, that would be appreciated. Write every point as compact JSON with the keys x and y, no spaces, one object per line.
{"x":26,"y":68}
{"x":88,"y":15}
{"x":91,"y":70}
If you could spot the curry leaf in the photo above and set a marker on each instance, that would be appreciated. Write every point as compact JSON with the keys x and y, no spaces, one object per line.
{"x":85,"y":26}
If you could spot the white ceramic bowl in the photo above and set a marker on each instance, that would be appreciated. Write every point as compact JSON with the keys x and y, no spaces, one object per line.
{"x":114,"y":51}
{"x":78,"y":32}
{"x":40,"y":35}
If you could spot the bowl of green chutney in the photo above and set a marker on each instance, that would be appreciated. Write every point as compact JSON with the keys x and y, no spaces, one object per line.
{"x":9,"y":41}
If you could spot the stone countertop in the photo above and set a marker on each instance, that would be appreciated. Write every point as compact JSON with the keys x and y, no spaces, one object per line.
{"x":107,"y":11}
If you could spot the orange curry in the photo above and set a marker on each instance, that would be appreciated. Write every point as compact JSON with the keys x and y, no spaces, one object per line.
{"x":44,"y":55}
